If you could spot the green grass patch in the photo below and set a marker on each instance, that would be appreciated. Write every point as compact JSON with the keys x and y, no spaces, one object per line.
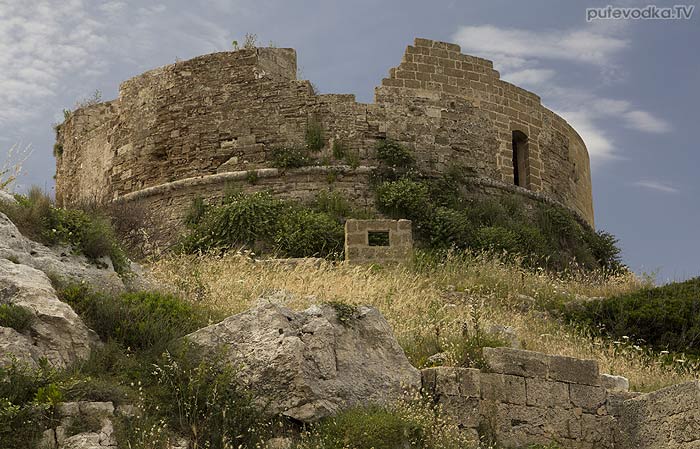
{"x":17,"y":317}
{"x":88,"y":232}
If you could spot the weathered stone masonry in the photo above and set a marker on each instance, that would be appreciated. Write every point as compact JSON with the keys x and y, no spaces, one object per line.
{"x":192,"y":127}
{"x":529,"y":398}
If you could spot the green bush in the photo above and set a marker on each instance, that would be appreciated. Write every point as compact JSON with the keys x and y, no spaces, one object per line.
{"x":145,"y":320}
{"x":201,"y":399}
{"x":17,"y":317}
{"x":290,"y":157}
{"x":303,"y":233}
{"x":314,"y":134}
{"x":404,"y":198}
{"x":665,"y":318}
{"x":547,"y":236}
{"x":243,"y":220}
{"x":393,"y":154}
{"x":266,"y":224}
{"x":27,"y":399}
{"x":87,"y":232}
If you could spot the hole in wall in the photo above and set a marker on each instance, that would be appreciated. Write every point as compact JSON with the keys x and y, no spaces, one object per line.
{"x":378,"y":238}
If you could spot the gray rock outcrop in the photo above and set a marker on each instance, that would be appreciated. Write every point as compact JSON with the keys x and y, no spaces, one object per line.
{"x":311,"y":364}
{"x":56,"y":332}
{"x":55,"y":261}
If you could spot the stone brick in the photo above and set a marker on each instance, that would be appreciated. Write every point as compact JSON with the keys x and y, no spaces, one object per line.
{"x":569,"y":369}
{"x":516,"y":362}
{"x":614,"y":383}
{"x":589,"y":398}
{"x":503,"y":388}
{"x":545,"y":393}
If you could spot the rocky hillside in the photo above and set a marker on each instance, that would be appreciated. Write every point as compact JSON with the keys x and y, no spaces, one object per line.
{"x":225,"y":351}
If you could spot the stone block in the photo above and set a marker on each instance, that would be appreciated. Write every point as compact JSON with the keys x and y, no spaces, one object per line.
{"x":516,"y":362}
{"x":503,"y":388}
{"x":614,"y":383}
{"x":569,"y":369}
{"x":545,"y":393}
{"x":589,"y":398}
{"x":465,"y":411}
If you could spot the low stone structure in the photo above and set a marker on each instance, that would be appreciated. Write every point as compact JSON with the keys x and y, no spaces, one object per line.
{"x":533,"y":398}
{"x":381,"y":241}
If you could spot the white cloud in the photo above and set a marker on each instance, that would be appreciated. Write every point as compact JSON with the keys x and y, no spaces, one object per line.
{"x":572,"y":45}
{"x":530,"y":77}
{"x":644,"y":121}
{"x":657,"y":185}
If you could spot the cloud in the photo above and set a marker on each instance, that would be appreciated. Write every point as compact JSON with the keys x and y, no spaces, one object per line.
{"x":657,"y":185}
{"x":530,"y":77}
{"x":39,"y":45}
{"x":526,"y":58}
{"x":580,"y":46}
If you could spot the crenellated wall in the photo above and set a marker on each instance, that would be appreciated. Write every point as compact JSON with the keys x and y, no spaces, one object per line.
{"x":226,"y":113}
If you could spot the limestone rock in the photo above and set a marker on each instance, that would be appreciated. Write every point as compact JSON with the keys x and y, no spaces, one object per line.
{"x":6,"y":197}
{"x":308,"y":364}
{"x":57,"y":333}
{"x":56,"y":261}
{"x":615,"y":383}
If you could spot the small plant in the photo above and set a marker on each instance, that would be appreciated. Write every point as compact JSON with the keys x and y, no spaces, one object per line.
{"x":394,"y":155}
{"x":339,"y":149}
{"x":314,"y":134}
{"x":143,"y":320}
{"x":57,"y":150}
{"x":16,"y":317}
{"x":250,"y":41}
{"x":345,"y":313}
{"x":252,"y":177}
{"x":290,"y":157}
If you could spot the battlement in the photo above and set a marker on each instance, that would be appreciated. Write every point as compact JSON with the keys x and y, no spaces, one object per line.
{"x":229,"y":111}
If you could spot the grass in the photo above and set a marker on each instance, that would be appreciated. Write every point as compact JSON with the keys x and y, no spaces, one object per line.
{"x":16,"y":317}
{"x":430,"y":304}
{"x":87,"y":231}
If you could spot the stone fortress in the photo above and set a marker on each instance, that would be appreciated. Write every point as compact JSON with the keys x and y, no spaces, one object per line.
{"x":192,"y":128}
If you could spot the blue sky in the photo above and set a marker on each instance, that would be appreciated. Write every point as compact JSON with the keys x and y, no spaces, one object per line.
{"x":630,"y":87}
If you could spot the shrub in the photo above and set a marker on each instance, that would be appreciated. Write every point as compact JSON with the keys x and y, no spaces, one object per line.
{"x":393,"y":154}
{"x":202,"y":401}
{"x":339,"y":149}
{"x":290,"y":157}
{"x":26,"y":404}
{"x":145,"y":320}
{"x":404,"y":198}
{"x":663,"y":317}
{"x":263,"y":223}
{"x":413,"y":424}
{"x":314,"y":134}
{"x":17,"y":317}
{"x":241,"y":220}
{"x":303,"y":233}
{"x":88,"y":232}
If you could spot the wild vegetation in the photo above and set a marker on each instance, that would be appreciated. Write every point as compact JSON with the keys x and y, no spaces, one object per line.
{"x":87,"y":231}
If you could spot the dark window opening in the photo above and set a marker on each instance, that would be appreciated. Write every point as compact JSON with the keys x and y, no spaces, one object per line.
{"x":378,"y":238}
{"x":521,"y":162}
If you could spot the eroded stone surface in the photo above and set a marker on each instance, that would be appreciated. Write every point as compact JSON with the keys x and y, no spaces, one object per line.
{"x":56,"y":333}
{"x":308,"y":364}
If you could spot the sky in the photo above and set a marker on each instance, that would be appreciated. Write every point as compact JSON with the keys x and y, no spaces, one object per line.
{"x":631,"y":88}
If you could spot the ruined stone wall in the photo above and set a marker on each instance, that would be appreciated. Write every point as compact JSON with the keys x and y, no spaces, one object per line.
{"x":526,"y":398}
{"x":227,"y":112}
{"x":359,"y":248}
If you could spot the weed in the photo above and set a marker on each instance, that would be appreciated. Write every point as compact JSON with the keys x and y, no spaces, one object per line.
{"x":314,"y":134}
{"x":290,"y":157}
{"x":16,"y":317}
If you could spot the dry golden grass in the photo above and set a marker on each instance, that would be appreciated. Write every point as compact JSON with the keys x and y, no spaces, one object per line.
{"x":429,"y":307}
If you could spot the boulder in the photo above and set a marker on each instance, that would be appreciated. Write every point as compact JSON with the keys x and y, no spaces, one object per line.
{"x":6,"y":197}
{"x":314,"y":363}
{"x":56,"y":333}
